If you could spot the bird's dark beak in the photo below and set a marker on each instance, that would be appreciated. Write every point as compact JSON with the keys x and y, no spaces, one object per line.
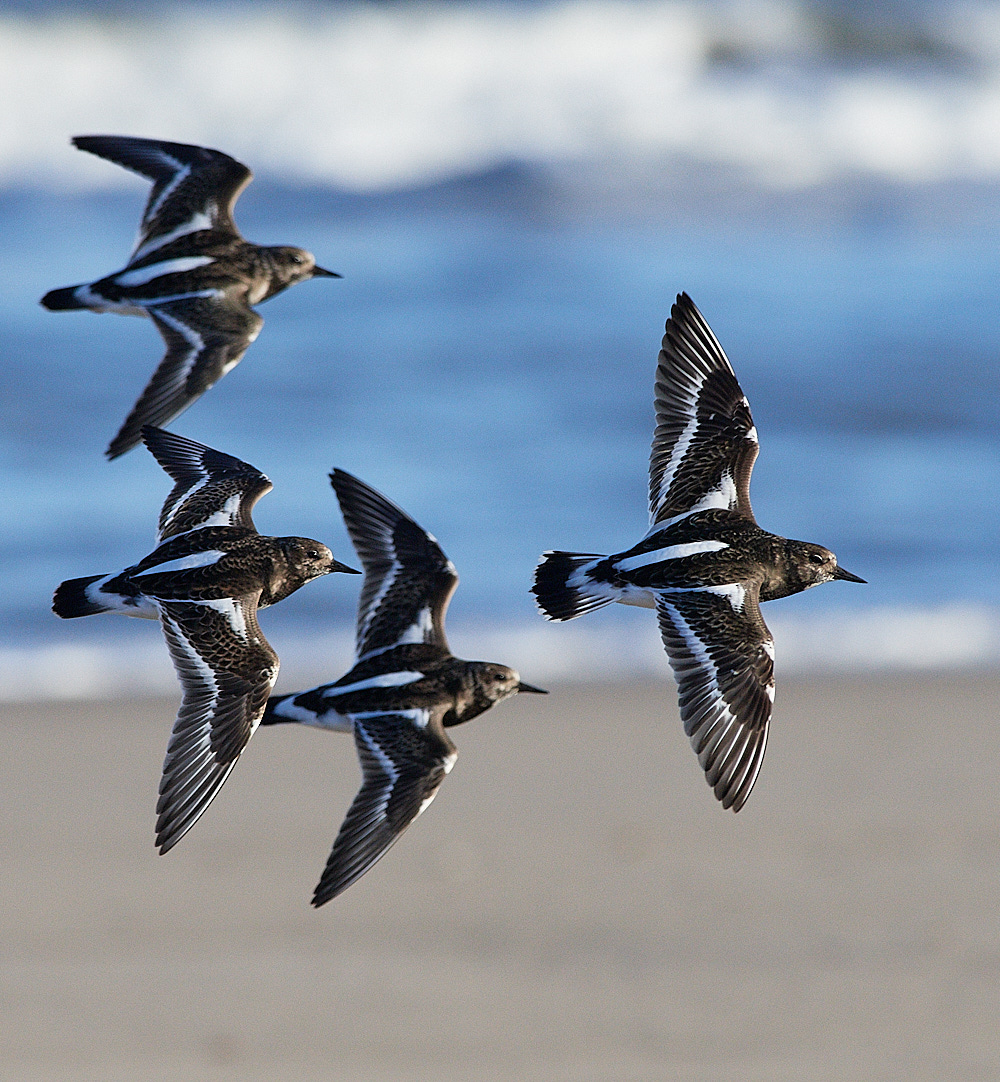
{"x":319,"y":272}
{"x":840,"y":573}
{"x":527,"y":687}
{"x":338,"y":566}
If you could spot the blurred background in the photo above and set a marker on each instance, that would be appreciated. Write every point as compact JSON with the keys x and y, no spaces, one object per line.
{"x":514,"y":194}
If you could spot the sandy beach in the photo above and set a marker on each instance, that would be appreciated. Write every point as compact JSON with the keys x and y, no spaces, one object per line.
{"x":574,"y":906}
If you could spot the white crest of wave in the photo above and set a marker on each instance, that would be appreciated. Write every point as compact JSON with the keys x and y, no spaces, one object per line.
{"x":616,"y":647}
{"x":611,"y":647}
{"x":367,"y":96}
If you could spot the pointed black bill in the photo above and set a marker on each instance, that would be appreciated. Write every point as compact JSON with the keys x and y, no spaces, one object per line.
{"x":320,"y":272}
{"x":338,"y":566}
{"x":840,"y":573}
{"x":527,"y":687}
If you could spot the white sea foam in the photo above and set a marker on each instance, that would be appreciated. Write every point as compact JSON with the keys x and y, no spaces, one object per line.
{"x":615,"y":646}
{"x":606,"y":647}
{"x":371,"y":96}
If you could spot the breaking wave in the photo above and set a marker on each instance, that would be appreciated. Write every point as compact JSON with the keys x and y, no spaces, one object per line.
{"x":369,"y":97}
{"x":618,"y":647}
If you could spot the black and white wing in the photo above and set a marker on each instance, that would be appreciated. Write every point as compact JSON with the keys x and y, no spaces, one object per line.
{"x":227,"y":669}
{"x":194,"y":188}
{"x":404,"y":757}
{"x":212,"y":488}
{"x":206,"y":335}
{"x":408,"y":579}
{"x":705,"y":442}
{"x":723,"y":658}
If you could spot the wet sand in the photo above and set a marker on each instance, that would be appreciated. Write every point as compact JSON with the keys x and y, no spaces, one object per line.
{"x":574,"y":906}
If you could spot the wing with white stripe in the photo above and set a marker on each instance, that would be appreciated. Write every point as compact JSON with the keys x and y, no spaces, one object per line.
{"x":408,"y":579}
{"x":194,"y":188}
{"x":705,"y":442}
{"x":206,"y":336}
{"x":723,"y":658}
{"x":212,"y":488}
{"x":227,"y":669}
{"x":404,"y":756}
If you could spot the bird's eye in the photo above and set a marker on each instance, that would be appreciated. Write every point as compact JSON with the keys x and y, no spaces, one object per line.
{"x":313,"y":554}
{"x":296,"y":259}
{"x":817,"y":558}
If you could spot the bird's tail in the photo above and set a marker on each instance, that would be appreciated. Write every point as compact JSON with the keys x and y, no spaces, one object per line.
{"x":72,"y":598}
{"x":566,"y":586}
{"x":62,"y":300}
{"x":273,"y":713}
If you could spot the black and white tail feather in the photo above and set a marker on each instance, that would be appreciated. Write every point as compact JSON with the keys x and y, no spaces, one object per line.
{"x":73,"y":598}
{"x":565,"y":586}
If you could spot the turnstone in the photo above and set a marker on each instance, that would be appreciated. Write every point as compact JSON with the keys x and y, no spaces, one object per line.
{"x":191,"y":272}
{"x":208,"y":575}
{"x":405,"y":688}
{"x":705,"y":564}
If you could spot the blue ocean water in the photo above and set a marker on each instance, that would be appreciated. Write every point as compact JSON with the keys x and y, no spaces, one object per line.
{"x":487,"y":360}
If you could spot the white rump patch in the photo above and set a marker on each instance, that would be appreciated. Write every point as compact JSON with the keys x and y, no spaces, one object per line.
{"x":634,"y":595}
{"x":95,"y":301}
{"x":670,"y":552}
{"x":141,"y":607}
{"x":143,"y":275}
{"x":329,"y":719}
{"x":579,"y":579}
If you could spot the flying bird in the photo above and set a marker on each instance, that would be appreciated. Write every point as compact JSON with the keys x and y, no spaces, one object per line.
{"x":705,"y":565}
{"x":191,"y":272}
{"x":405,"y":689}
{"x":209,"y":574}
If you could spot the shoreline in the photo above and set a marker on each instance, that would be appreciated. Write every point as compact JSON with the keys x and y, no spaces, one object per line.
{"x":574,"y":905}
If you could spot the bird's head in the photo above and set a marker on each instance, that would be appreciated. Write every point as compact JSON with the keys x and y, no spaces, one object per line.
{"x":291,"y":265}
{"x":487,"y":684}
{"x":813,"y":564}
{"x":305,"y":560}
